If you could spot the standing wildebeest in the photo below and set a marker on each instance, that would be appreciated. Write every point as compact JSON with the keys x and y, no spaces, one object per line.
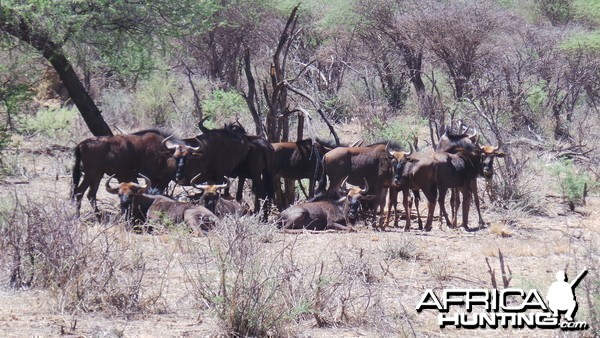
{"x":325,"y":214}
{"x":296,"y":161}
{"x":143,"y":205}
{"x":124,"y":156}
{"x":441,"y":171}
{"x":212,"y":199}
{"x":373,"y":163}
{"x":226,"y":152}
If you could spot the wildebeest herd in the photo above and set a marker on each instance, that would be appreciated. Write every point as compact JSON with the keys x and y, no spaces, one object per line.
{"x":353,"y":181}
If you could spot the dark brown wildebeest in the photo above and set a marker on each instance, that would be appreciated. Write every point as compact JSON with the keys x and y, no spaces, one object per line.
{"x":373,"y":163}
{"x":212,"y":199}
{"x":144,"y":206}
{"x":440,"y":171}
{"x":327,"y":213}
{"x":226,"y":152}
{"x":124,"y":157}
{"x":297,"y":160}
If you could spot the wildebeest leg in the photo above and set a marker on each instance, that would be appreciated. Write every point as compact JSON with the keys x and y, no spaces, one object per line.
{"x":430,"y":194}
{"x":240,"y":189}
{"x":92,"y":198}
{"x":454,"y":203}
{"x":442,"y":203}
{"x":78,"y":193}
{"x":417,"y":199}
{"x":466,"y":192}
{"x":340,"y":227}
{"x":392,"y":202}
{"x":406,"y":205}
{"x":476,"y":198}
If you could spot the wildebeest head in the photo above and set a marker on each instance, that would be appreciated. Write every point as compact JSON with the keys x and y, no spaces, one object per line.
{"x":181,"y":152}
{"x":449,"y":141}
{"x":488,"y":153}
{"x":353,"y":197}
{"x":401,"y":159}
{"x":127,"y":190}
{"x":210,"y":192}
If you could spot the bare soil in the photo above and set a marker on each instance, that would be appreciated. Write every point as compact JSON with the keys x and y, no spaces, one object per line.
{"x":534,"y":245}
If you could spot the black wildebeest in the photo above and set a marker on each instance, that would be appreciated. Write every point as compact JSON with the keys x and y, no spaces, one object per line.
{"x":144,"y":206}
{"x":327,"y":213}
{"x":297,"y":160}
{"x":212,"y":199}
{"x":230,"y":152}
{"x":373,"y":163}
{"x":124,"y":156}
{"x":440,"y":171}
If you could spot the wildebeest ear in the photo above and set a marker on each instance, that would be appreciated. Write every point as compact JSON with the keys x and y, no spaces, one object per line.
{"x":500,"y":154}
{"x":342,"y":199}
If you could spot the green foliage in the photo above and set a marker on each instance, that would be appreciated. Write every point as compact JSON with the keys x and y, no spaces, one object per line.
{"x":50,"y":122}
{"x":394,"y":129}
{"x":224,"y":104}
{"x":573,"y":182}
{"x":587,"y":10}
{"x":583,"y":41}
{"x":537,"y":96}
{"x":153,"y":103}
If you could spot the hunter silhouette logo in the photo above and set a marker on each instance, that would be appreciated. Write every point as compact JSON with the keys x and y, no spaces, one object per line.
{"x":507,"y":307}
{"x":561,"y":295}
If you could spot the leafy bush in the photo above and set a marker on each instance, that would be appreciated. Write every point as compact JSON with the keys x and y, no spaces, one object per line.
{"x":153,"y":102}
{"x":395,"y":129}
{"x":50,"y":122}
{"x":573,"y":182}
{"x":224,"y":104}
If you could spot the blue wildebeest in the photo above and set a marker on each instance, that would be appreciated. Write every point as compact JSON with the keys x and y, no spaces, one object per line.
{"x":326,"y":213}
{"x":440,"y":171}
{"x":230,"y":152}
{"x":124,"y":157}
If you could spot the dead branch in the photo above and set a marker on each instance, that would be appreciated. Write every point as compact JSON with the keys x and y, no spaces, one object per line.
{"x":317,"y":106}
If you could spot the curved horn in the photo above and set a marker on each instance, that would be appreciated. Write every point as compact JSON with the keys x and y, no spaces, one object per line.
{"x":474,"y":136}
{"x":412,"y":150}
{"x":109,"y":188}
{"x":167,"y":143}
{"x":344,"y":185}
{"x":366,"y":188}
{"x":147,"y":181}
{"x":193,"y":180}
{"x":224,"y":185}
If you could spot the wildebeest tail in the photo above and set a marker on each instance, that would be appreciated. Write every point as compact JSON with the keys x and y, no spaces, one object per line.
{"x":76,"y":170}
{"x":321,"y":187}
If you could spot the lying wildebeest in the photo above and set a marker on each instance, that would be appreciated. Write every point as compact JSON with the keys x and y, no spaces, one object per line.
{"x":132,"y":198}
{"x":443,"y":170}
{"x":212,"y":199}
{"x":225,"y":152}
{"x":295,"y":161}
{"x":373,"y":163}
{"x":327,"y":213}
{"x":135,"y":199}
{"x":124,"y":157}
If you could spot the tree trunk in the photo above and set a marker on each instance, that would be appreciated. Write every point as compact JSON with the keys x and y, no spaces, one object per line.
{"x":14,"y":24}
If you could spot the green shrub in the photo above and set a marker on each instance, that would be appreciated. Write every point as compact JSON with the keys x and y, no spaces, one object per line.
{"x":224,"y":104}
{"x":394,"y":129}
{"x":153,"y":102}
{"x":50,"y":122}
{"x":573,"y":182}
